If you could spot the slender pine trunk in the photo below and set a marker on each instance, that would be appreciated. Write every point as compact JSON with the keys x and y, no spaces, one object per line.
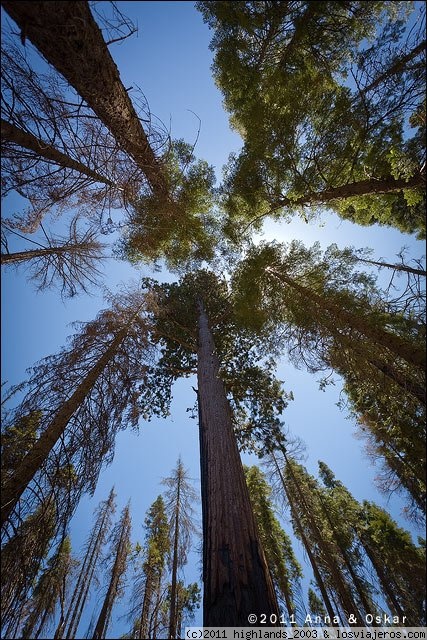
{"x":319,"y":580}
{"x":366,"y":602}
{"x":396,"y":67}
{"x":35,"y":458}
{"x":395,"y":267}
{"x":344,"y":593}
{"x":87,"y":571}
{"x":236,"y":578}
{"x":27,"y":140}
{"x":172,"y":613}
{"x":371,"y":186}
{"x":386,"y":587}
{"x":413,"y":355}
{"x":116,"y":573}
{"x":23,"y":256}
{"x":146,"y":602}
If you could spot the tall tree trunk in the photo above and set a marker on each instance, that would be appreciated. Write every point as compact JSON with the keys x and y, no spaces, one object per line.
{"x":235,"y":573}
{"x":81,"y":600}
{"x":172,"y":613}
{"x":116,"y":573}
{"x":34,"y":459}
{"x":395,"y":267}
{"x":365,"y":601}
{"x":40,"y":627}
{"x":370,"y":186}
{"x":413,"y":355}
{"x":388,"y":590}
{"x":396,"y":67}
{"x":22,"y":256}
{"x":87,"y":571}
{"x":27,"y":140}
{"x":69,"y":38}
{"x":319,"y":580}
{"x":146,"y":602}
{"x":343,"y":591}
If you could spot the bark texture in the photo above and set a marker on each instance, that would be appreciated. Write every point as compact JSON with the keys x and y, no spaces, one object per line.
{"x":235,"y":573}
{"x":361,"y":188}
{"x":67,"y":35}
{"x":26,"y":140}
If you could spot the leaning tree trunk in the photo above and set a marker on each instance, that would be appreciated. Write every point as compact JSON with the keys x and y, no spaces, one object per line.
{"x":400,"y":347}
{"x":23,"y":256}
{"x":342,"y":589}
{"x":298,"y":525}
{"x":68,"y":37}
{"x":116,"y":574}
{"x":34,"y":459}
{"x":386,"y":586}
{"x":397,"y":66}
{"x":27,"y":140}
{"x":235,"y":573}
{"x":366,"y":602}
{"x":396,"y":267}
{"x":372,"y":186}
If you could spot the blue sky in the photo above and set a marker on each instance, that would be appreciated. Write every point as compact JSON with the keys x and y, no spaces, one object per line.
{"x":169,"y":60}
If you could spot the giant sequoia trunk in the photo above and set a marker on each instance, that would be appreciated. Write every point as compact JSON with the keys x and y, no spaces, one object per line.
{"x":235,"y":574}
{"x":28,"y":141}
{"x":34,"y":459}
{"x":69,"y":38}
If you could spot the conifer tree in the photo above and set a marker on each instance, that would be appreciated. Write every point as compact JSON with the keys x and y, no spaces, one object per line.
{"x":120,"y":547}
{"x":102,"y":368}
{"x":396,"y":560}
{"x":55,"y":153}
{"x":94,"y":545}
{"x":283,"y":565}
{"x":87,"y":65}
{"x":179,"y":498}
{"x":185,"y":313}
{"x":70,"y":263}
{"x":334,"y":145}
{"x":21,"y":561}
{"x":157,"y":546}
{"x":330,"y":316}
{"x":50,"y":591}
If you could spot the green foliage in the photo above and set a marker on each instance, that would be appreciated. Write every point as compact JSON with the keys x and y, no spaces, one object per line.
{"x":157,"y":543}
{"x":284,"y":567}
{"x":246,"y":367}
{"x":181,"y":227}
{"x":285,"y":71}
{"x":330,"y":315}
{"x":17,"y":439}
